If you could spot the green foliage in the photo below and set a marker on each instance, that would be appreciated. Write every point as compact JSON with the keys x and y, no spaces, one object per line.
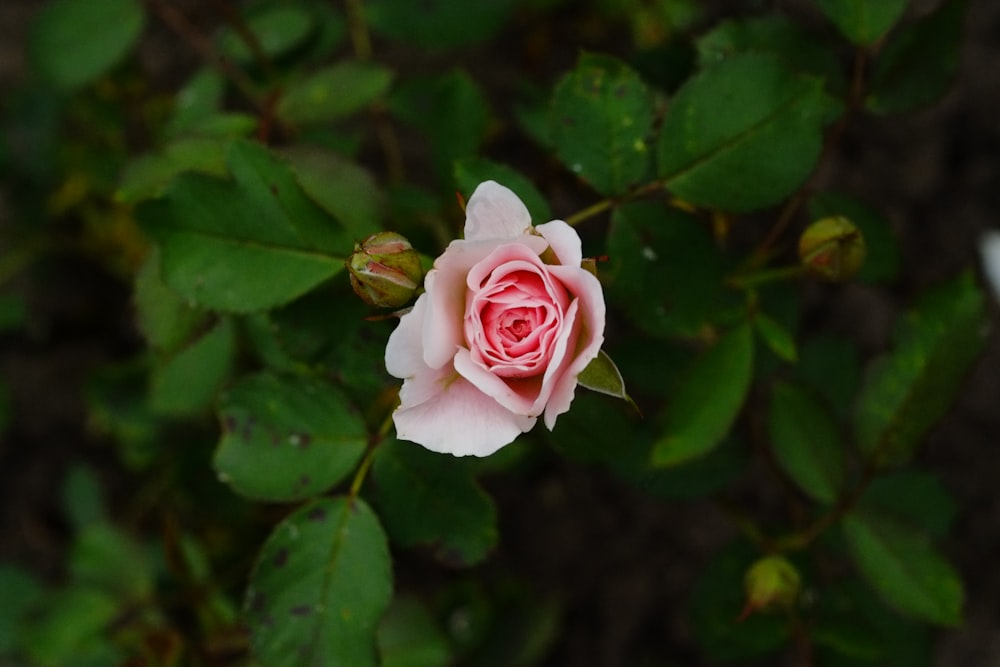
{"x":806,"y":442}
{"x":320,"y":585}
{"x":426,"y":502}
{"x":665,"y":271}
{"x":276,"y":29}
{"x":74,"y":42}
{"x":908,"y":390}
{"x":243,"y":245}
{"x":600,"y":121}
{"x":919,"y":63}
{"x":905,"y":569}
{"x":795,"y":47}
{"x":863,"y":21}
{"x":333,"y":93}
{"x":287,"y":439}
{"x":704,"y":405}
{"x":680,"y":144}
{"x":743,"y":134}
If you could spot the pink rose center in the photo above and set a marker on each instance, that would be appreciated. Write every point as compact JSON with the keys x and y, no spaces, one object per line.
{"x":512,"y":322}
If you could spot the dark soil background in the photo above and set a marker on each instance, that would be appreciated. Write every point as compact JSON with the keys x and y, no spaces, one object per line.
{"x":623,"y":562}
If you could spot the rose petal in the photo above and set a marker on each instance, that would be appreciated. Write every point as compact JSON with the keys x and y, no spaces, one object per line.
{"x":459,"y":419}
{"x":592,"y":311}
{"x":564,"y":241}
{"x":516,"y":396}
{"x":495,"y":212}
{"x":446,"y":289}
{"x":404,"y":351}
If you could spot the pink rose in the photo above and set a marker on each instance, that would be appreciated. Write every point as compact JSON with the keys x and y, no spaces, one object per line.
{"x":507,"y":322}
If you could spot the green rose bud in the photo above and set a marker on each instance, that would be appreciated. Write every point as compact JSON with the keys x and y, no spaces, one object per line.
{"x":385,"y":270}
{"x":771,"y":583}
{"x":832,"y":249}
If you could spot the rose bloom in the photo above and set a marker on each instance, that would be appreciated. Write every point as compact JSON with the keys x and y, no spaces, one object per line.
{"x":507,"y":322}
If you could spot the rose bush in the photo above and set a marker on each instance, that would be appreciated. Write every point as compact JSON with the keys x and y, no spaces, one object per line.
{"x":508,"y":321}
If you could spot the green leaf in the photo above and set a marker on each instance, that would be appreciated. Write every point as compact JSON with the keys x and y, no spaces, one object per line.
{"x":905,"y":569}
{"x":600,"y":121}
{"x":863,"y":21}
{"x":470,"y":172}
{"x":286,"y":439}
{"x":806,"y":442}
{"x":853,"y":629}
{"x":333,"y":93}
{"x":705,"y":404}
{"x":450,"y":109}
{"x":343,"y":189}
{"x":21,"y":593}
{"x":83,"y":498}
{"x":913,"y":497}
{"x":832,"y":368}
{"x":603,"y":376}
{"x":243,"y":245}
{"x":438,"y":24}
{"x":776,"y":337}
{"x":320,"y":585}
{"x":429,"y":499}
{"x":409,"y":636}
{"x":278,"y":29}
{"x":105,"y":558}
{"x":910,"y":389}
{"x":797,"y":48}
{"x":665,"y":270}
{"x":148,"y":176}
{"x":71,"y":630}
{"x":918,"y":64}
{"x":73,"y":42}
{"x":200,"y":98}
{"x":165,"y":321}
{"x":187,"y":382}
{"x":882,"y":248}
{"x":743,"y":134}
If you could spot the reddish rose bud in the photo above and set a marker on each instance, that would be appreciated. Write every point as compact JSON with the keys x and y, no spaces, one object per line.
{"x":385,"y":270}
{"x":832,"y":249}
{"x":771,"y":583}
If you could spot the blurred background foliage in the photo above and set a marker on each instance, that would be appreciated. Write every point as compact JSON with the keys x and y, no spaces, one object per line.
{"x":196,"y":464}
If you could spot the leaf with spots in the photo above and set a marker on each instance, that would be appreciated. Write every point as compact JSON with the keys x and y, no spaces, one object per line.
{"x":601,"y":120}
{"x":319,"y":588}
{"x":246,"y":244}
{"x":428,"y":499}
{"x":287,"y":438}
{"x":744,"y":133}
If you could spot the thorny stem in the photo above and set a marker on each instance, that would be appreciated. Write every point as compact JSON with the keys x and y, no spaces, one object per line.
{"x":203,"y":46}
{"x":603,"y":205}
{"x":358,"y":29}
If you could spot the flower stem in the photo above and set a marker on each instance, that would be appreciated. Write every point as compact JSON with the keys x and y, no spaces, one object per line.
{"x":610,"y":202}
{"x":757,"y":278}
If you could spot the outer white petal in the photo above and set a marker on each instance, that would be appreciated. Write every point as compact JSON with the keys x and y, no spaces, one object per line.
{"x":564,"y":241}
{"x":460,"y":420}
{"x":404,"y":351}
{"x":989,"y":247}
{"x":495,"y":212}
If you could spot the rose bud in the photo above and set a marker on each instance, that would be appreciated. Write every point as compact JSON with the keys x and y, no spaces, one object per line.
{"x":771,"y":583}
{"x":385,"y":270}
{"x":832,"y":249}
